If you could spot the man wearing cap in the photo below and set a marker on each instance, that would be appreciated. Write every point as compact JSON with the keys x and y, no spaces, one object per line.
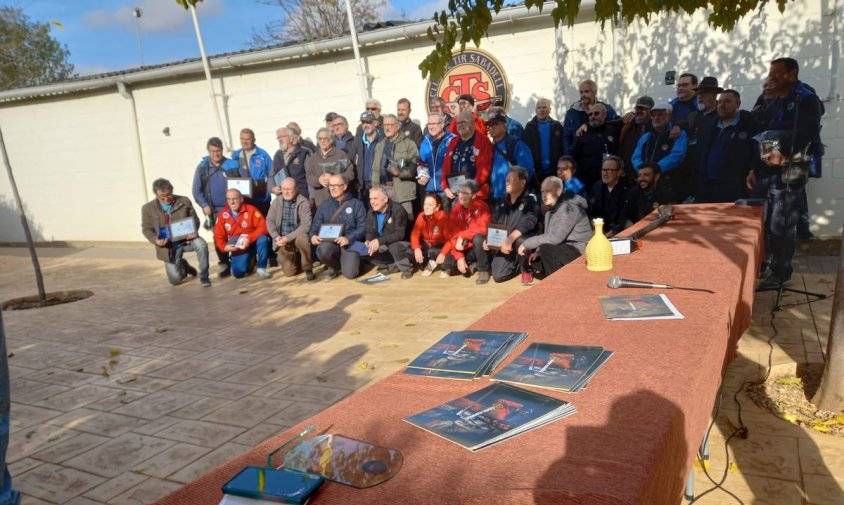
{"x":466,"y":103}
{"x":684,"y":179}
{"x":657,"y":146}
{"x":257,"y":163}
{"x":508,"y":151}
{"x":407,"y":128}
{"x":686,"y":100}
{"x":543,"y":136}
{"x":364,"y":147}
{"x":726,"y":151}
{"x":289,"y":161}
{"x":373,"y":107}
{"x":632,"y":130}
{"x":325,"y":162}
{"x":514,"y":128}
{"x":599,"y":140}
{"x":329,"y":119}
{"x":394,"y":164}
{"x":469,"y":155}
{"x":578,"y":113}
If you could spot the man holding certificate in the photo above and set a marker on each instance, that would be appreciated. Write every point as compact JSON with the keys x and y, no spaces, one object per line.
{"x":514,"y":217}
{"x":241,"y":231}
{"x":339,"y":222}
{"x":170,"y":223}
{"x":468,"y":157}
{"x":386,"y":231}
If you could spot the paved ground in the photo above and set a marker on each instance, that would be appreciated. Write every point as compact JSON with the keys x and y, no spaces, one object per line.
{"x":127,"y":395}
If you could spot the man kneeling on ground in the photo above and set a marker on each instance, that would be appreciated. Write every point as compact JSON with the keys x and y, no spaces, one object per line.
{"x":156,"y":217}
{"x":341,"y":209}
{"x":288,"y":222}
{"x":241,"y":231}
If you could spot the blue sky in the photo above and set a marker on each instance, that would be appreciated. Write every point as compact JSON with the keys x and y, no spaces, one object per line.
{"x":101,"y":34}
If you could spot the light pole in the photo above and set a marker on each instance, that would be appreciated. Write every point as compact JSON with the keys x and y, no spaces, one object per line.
{"x":137,"y":13}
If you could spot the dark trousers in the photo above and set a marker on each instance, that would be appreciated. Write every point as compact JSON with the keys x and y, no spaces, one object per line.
{"x":553,"y":257}
{"x":475,"y":254}
{"x":783,"y":215}
{"x":398,"y":254}
{"x":506,"y":266}
{"x":428,"y":253}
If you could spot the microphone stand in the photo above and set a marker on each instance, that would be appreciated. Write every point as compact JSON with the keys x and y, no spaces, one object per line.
{"x":785,"y":211}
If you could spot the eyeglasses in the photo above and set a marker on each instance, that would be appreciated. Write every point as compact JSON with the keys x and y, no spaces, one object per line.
{"x":433,"y":124}
{"x":336,"y":185}
{"x":323,"y":138}
{"x":465,"y":193}
{"x":372,"y":108}
{"x":390,"y":125}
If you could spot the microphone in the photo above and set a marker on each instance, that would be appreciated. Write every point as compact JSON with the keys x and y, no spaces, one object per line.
{"x":616,"y":282}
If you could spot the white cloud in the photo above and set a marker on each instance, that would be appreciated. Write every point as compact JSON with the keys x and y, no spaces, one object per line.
{"x":157,"y":16}
{"x":426,"y":11}
{"x":416,"y":12}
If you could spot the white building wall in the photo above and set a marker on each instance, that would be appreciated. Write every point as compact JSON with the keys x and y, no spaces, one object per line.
{"x":75,"y":161}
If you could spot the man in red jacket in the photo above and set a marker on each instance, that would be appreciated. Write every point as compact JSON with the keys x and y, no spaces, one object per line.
{"x":241,"y":231}
{"x":469,"y":155}
{"x":468,"y":221}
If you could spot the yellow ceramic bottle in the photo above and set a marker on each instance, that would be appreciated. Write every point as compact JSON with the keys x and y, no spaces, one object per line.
{"x":598,"y":249}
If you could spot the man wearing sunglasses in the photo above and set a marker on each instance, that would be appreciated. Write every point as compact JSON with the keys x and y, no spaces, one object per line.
{"x":658,"y":147}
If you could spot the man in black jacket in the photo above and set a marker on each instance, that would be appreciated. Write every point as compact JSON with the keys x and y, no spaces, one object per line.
{"x":607,"y":196}
{"x":599,"y":140}
{"x":544,"y":137}
{"x":386,"y":234}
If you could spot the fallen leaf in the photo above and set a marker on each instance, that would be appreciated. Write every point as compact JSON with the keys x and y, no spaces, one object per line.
{"x":112,"y":362}
{"x":822,"y":428}
{"x":366,"y":366}
{"x":373,"y":310}
{"x":409,"y":324}
{"x":403,"y":360}
{"x":356,"y":332}
{"x":789,"y":417}
{"x":389,"y":346}
{"x":733,"y":468}
{"x":162,"y":330}
{"x":242,"y":291}
{"x":122,"y":393}
{"x":29,"y":435}
{"x":116,"y":352}
{"x":127,"y":380}
{"x":440,"y":317}
{"x":788,"y":381}
{"x":699,"y":465}
{"x":11,"y":355}
{"x":321,"y":378}
{"x":80,"y":369}
{"x":104,"y":372}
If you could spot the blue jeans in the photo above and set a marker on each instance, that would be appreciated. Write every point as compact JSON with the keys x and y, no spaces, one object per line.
{"x":783,"y":214}
{"x":8,"y":496}
{"x":176,"y":270}
{"x":240,"y":262}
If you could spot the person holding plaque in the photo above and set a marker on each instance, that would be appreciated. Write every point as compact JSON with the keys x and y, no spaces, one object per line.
{"x":468,"y":224}
{"x":241,"y":232}
{"x":386,"y":231}
{"x":429,"y":235}
{"x":514,"y":218}
{"x":468,"y":157}
{"x":256,"y":163}
{"x":567,"y":229}
{"x":170,"y":223}
{"x":325,"y":162}
{"x":288,"y":222}
{"x":394,"y":164}
{"x":289,"y":161}
{"x":339,"y":222}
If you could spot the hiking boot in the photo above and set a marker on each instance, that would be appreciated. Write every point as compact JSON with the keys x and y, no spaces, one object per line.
{"x":309,"y":274}
{"x":272,"y":262}
{"x":391,"y":269}
{"x":527,"y":279}
{"x":189,"y":270}
{"x":262,"y":273}
{"x":483,"y":278}
{"x":407,"y":275}
{"x":429,"y":268}
{"x":205,"y":282}
{"x":224,"y":270}
{"x":773,"y":281}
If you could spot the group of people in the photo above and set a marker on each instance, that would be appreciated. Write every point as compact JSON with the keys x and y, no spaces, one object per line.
{"x":479,"y":192}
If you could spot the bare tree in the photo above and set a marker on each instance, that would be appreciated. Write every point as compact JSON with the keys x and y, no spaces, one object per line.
{"x":315,"y":19}
{"x":830,"y":394}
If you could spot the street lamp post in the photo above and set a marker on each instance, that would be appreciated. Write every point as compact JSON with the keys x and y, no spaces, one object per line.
{"x":137,"y":13}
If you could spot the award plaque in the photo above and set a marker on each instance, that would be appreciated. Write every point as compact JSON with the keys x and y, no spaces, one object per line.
{"x":496,"y":234}
{"x":455,"y":182}
{"x":330,"y":232}
{"x":238,"y":241}
{"x":182,"y":228}
{"x":242,"y":184}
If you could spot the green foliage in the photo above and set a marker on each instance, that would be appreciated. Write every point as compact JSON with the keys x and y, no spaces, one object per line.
{"x":29,"y":55}
{"x":466,"y":21}
{"x":184,"y":3}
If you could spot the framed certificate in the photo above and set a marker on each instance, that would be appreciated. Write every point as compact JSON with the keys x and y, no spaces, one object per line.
{"x":182,"y":228}
{"x":455,"y":182}
{"x":330,"y":231}
{"x":239,"y":241}
{"x":496,"y":234}
{"x":242,"y":184}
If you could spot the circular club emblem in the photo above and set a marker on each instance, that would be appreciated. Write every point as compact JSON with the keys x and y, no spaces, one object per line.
{"x":476,"y":73}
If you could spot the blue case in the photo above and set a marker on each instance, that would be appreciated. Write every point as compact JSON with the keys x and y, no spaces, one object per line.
{"x":282,"y":486}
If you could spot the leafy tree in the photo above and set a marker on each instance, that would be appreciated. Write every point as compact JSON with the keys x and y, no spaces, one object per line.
{"x":29,"y":55}
{"x":315,"y":19}
{"x":468,"y":20}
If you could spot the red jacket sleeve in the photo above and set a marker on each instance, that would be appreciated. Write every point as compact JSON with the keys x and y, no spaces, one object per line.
{"x":483,"y":164}
{"x":418,"y":227}
{"x":260,"y":225}
{"x":220,"y":235}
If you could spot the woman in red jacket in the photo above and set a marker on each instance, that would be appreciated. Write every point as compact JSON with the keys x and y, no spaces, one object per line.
{"x":430,"y":233}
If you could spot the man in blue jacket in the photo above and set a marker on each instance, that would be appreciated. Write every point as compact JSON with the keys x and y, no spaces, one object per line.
{"x":508,"y":151}
{"x":657,"y":146}
{"x":431,"y":155}
{"x":257,"y":163}
{"x":340,"y":209}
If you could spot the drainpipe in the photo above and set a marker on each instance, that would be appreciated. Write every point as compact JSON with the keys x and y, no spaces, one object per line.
{"x":835,"y":56}
{"x":127,"y":94}
{"x":208,"y":77}
{"x":363,"y":87}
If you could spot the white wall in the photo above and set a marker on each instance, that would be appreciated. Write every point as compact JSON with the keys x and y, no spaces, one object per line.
{"x":75,"y":161}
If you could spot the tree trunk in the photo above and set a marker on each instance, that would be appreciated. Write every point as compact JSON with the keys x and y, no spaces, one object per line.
{"x":39,"y":280}
{"x":830,"y":394}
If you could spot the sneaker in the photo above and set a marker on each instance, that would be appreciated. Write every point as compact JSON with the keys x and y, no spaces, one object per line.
{"x":527,"y":279}
{"x":445,"y":274}
{"x":429,"y":268}
{"x":224,"y":270}
{"x":407,"y":275}
{"x":483,"y":278}
{"x":330,"y":273}
{"x":205,"y":281}
{"x":773,"y":281}
{"x":262,"y":273}
{"x":309,"y":274}
{"x":391,"y":269}
{"x":189,"y":270}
